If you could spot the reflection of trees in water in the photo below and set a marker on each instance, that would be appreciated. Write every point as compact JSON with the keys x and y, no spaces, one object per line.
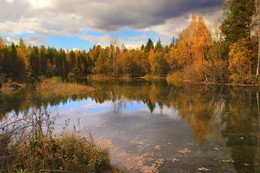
{"x":201,"y":107}
{"x":118,"y":107}
{"x":242,"y":129}
{"x":258,"y":133}
{"x":23,"y":100}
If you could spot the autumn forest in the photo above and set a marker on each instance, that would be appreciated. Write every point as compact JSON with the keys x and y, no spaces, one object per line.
{"x":226,"y":53}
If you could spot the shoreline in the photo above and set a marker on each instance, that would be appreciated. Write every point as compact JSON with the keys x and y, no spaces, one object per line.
{"x":151,"y":77}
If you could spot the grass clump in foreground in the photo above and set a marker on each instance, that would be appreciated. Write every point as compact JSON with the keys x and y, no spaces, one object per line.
{"x":69,"y":153}
{"x":55,"y":86}
{"x":28,"y":146}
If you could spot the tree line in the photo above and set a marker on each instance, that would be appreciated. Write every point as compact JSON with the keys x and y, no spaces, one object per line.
{"x":226,"y":55}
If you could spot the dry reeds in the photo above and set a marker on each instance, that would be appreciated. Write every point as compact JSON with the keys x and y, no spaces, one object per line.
{"x":54,"y":86}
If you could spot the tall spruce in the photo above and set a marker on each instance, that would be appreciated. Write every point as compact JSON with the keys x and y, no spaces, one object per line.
{"x":149,"y":45}
{"x":237,"y":24}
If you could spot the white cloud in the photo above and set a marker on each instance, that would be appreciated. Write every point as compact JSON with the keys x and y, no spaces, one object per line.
{"x":97,"y":39}
{"x":10,"y":1}
{"x":138,"y":37}
{"x":133,"y":44}
{"x":72,"y":18}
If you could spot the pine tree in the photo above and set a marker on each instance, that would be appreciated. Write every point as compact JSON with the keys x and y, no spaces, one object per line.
{"x":237,"y":23}
{"x":149,"y":46}
{"x":158,"y":46}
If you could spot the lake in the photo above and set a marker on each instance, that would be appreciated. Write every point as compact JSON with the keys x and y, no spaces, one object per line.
{"x":153,"y":126}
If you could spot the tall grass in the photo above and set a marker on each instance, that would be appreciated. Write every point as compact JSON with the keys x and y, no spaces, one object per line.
{"x":25,"y":147}
{"x":55,"y":86}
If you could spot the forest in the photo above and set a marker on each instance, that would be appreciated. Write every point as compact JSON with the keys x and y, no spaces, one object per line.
{"x":228,"y":53}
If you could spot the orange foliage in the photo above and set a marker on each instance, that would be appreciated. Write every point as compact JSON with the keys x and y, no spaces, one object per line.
{"x":200,"y":40}
{"x":240,"y":64}
{"x":22,"y":56}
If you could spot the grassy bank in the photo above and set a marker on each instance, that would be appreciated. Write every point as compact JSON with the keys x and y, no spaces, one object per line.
{"x":178,"y":78}
{"x":55,"y":86}
{"x":107,"y":77}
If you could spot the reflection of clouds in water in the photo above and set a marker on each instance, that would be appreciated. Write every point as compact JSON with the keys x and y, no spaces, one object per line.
{"x":103,"y":122}
{"x":88,"y":111}
{"x":94,"y":107}
{"x":171,"y":113}
{"x":147,"y":139}
{"x":79,"y":116}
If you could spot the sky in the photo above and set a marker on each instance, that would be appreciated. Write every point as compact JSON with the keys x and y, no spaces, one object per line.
{"x":81,"y":24}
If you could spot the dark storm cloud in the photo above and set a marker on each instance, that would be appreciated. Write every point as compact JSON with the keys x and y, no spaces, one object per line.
{"x":111,"y":15}
{"x":172,"y":9}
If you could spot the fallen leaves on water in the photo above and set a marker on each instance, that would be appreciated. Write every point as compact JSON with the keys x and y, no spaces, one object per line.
{"x":130,"y":161}
{"x":159,"y":161}
{"x":137,"y":142}
{"x":173,"y":159}
{"x":184,"y":151}
{"x":203,"y":169}
{"x":228,"y":161}
{"x":157,"y":147}
{"x":149,"y":169}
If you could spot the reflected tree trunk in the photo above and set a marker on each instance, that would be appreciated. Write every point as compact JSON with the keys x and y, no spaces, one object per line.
{"x":257,"y":4}
{"x":258,"y":137}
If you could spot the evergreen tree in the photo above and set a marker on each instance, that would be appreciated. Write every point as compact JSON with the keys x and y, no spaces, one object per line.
{"x":237,"y":23}
{"x":142,"y":47}
{"x":149,"y":46}
{"x":158,"y":46}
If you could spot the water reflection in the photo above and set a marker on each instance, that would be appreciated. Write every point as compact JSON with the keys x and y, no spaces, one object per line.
{"x":188,"y":127}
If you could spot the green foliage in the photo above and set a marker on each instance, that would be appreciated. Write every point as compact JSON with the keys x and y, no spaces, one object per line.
{"x":159,"y":65}
{"x":149,"y":46}
{"x":158,"y":46}
{"x":237,"y":24}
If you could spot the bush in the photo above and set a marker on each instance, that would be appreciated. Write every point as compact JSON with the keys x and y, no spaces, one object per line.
{"x":175,"y":78}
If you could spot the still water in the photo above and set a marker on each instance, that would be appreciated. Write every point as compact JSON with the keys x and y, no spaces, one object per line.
{"x":152,"y":126}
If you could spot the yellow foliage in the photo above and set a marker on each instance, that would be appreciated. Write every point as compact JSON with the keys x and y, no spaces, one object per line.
{"x":194,"y":41}
{"x":240,"y":64}
{"x":21,"y":54}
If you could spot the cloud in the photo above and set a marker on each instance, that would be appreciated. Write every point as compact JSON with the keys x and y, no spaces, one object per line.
{"x":30,"y":40}
{"x":141,"y":37}
{"x":133,"y":44}
{"x":72,"y":18}
{"x":118,"y":14}
{"x":97,"y":39}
